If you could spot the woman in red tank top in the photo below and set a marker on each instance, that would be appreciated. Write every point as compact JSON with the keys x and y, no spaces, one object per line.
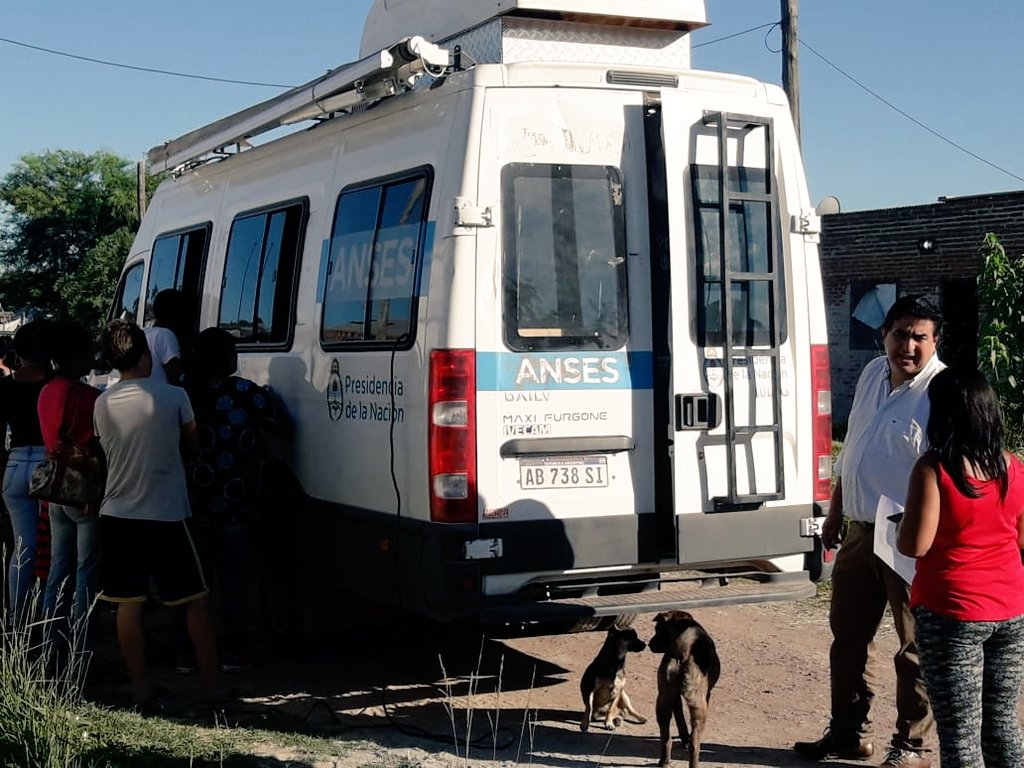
{"x":963,"y":522}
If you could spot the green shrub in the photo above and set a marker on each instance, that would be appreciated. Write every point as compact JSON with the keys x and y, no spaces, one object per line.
{"x":1001,"y":335}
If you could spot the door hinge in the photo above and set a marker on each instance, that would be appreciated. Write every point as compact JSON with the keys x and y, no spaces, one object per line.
{"x":811,"y":527}
{"x":808,"y":224}
{"x":468,"y":214}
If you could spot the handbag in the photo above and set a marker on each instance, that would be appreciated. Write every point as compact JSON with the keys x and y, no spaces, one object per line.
{"x":72,"y":474}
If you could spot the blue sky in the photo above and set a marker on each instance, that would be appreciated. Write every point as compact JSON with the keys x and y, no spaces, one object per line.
{"x":950,"y":65}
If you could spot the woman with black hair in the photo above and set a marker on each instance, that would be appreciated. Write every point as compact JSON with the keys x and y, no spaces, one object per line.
{"x":963,"y":522}
{"x":66,"y":405}
{"x":19,"y":395}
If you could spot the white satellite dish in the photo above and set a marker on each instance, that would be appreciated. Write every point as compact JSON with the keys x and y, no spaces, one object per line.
{"x":828,"y":206}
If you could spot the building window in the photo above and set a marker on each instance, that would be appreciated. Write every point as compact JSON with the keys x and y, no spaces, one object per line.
{"x":869,"y":302}
{"x":958,"y":341}
{"x":257,"y":291}
{"x":372,"y":285}
{"x":565,"y":257}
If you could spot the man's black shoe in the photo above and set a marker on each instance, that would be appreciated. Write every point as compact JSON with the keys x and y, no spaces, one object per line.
{"x":832,"y":745}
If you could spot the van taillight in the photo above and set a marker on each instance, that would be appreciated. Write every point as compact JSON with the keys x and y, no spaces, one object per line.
{"x":452,"y":436}
{"x":821,"y":392}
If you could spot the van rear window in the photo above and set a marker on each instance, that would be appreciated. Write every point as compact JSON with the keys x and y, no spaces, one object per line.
{"x":749,"y":230}
{"x":564,"y":257}
{"x":371,"y":289}
{"x":257,"y":292}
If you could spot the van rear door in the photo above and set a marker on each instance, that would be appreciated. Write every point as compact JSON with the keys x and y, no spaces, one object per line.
{"x":563,"y":373}
{"x":732,"y":368}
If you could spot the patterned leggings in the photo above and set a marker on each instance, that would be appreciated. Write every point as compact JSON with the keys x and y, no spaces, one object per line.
{"x":974,"y":671}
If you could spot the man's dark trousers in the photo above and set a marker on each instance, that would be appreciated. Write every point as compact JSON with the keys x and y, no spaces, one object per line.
{"x":862,"y":585}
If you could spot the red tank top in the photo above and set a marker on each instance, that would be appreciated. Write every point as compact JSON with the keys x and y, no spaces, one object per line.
{"x":973,"y":570}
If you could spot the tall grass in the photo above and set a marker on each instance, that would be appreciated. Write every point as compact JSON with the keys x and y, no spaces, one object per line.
{"x":451,"y":707}
{"x":40,"y":694}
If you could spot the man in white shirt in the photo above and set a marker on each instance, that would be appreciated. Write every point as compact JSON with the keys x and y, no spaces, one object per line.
{"x":141,"y":422}
{"x":887,"y":432}
{"x":162,"y":338}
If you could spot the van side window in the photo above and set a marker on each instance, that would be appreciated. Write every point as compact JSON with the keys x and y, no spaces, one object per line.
{"x":177,"y":261}
{"x":749,"y":231}
{"x":370,"y":294}
{"x":129,"y":293}
{"x":258,"y":289}
{"x":565,"y":257}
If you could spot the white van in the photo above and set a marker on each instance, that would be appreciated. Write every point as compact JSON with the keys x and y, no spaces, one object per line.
{"x":536,"y":374}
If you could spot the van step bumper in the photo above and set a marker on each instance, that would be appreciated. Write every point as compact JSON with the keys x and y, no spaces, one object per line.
{"x":676,"y":592}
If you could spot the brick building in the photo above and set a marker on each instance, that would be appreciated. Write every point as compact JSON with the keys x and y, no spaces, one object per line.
{"x":870,"y":257}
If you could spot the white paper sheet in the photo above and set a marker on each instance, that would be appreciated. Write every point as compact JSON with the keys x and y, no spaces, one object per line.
{"x":885,"y":540}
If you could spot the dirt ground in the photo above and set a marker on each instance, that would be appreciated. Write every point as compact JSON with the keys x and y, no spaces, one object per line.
{"x":405,"y":698}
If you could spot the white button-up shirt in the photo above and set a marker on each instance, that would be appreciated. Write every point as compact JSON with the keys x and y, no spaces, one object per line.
{"x":887,"y":433}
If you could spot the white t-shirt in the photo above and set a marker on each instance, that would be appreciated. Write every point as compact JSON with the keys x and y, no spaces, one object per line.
{"x":138,"y":422}
{"x":887,"y":433}
{"x":163,"y":346}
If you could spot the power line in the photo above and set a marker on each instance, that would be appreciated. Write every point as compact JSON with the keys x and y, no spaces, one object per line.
{"x":736,"y":34}
{"x":909,"y":117}
{"x":769,"y":25}
{"x":150,"y":70}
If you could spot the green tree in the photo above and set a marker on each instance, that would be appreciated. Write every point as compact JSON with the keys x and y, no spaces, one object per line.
{"x":67,"y":226}
{"x":1001,"y":337}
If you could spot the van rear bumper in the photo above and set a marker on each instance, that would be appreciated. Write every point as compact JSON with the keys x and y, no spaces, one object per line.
{"x":553,"y":570}
{"x":665,"y":591}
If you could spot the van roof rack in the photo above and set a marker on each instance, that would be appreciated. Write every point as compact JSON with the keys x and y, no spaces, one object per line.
{"x":389,"y":71}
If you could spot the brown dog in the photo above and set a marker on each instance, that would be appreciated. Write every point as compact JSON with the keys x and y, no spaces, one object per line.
{"x":688,"y":671}
{"x":603,"y":682}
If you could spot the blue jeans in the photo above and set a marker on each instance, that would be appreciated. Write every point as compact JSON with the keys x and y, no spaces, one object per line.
{"x":974,"y":671}
{"x":74,"y":549}
{"x":24,"y":512}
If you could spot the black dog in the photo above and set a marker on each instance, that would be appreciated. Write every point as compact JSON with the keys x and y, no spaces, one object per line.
{"x":603,"y":682}
{"x":688,"y":671}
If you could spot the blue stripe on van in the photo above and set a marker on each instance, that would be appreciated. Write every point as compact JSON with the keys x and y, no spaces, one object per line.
{"x":597,"y":370}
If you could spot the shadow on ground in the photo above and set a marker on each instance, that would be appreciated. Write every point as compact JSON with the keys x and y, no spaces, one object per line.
{"x":425,"y":684}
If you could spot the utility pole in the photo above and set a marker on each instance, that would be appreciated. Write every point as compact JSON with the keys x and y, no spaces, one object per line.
{"x":140,"y":187}
{"x":791,"y":59}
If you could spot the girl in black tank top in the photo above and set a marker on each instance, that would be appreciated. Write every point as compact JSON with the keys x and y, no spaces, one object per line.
{"x":19,"y":396}
{"x":18,"y":410}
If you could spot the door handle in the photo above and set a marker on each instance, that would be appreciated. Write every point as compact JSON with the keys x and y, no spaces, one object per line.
{"x":699,"y":411}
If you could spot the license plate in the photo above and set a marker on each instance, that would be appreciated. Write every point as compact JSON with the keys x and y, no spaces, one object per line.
{"x":562,"y":472}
